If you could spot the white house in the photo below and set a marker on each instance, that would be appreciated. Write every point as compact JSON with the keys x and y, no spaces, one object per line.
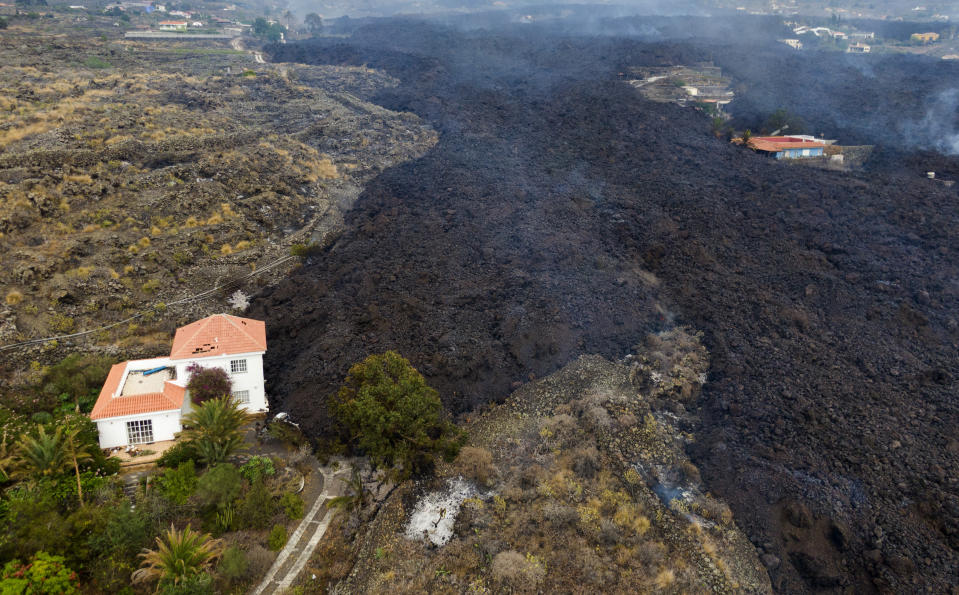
{"x":143,"y":401}
{"x":172,"y":25}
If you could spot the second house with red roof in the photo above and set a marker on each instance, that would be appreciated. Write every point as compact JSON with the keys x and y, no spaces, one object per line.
{"x":143,"y":401}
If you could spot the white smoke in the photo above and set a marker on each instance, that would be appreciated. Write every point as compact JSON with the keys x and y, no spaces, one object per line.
{"x":938,"y":128}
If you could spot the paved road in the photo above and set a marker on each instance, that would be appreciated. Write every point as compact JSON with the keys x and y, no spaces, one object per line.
{"x":294,"y":556}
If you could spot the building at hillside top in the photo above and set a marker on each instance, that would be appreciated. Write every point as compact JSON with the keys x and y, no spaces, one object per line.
{"x":143,"y":401}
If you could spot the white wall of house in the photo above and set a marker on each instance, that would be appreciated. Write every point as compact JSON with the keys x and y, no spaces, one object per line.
{"x":250,"y":381}
{"x":113,"y":430}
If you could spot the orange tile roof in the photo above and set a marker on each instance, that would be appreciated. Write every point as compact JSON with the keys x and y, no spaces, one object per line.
{"x":109,"y":405}
{"x":220,"y":334}
{"x":780,"y":143}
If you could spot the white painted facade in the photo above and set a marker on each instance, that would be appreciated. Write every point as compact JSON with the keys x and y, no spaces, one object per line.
{"x":246,"y":376}
{"x":114,"y":432}
{"x":251,"y":380}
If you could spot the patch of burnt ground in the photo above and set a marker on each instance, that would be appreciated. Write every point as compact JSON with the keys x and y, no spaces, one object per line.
{"x":562,"y":214}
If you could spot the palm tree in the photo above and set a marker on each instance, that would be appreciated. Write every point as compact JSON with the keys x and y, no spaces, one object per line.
{"x":77,"y":453}
{"x":180,"y":555}
{"x":215,"y":428}
{"x":48,"y":455}
{"x":7,"y":459}
{"x":42,"y":456}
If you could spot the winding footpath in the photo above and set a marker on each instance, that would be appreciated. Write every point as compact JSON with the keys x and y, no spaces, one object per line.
{"x":294,"y":556}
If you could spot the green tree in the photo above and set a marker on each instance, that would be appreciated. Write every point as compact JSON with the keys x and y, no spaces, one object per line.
{"x":314,"y":24}
{"x":783,"y":122}
{"x":394,"y":416}
{"x":43,"y":574}
{"x":208,"y":383}
{"x":215,"y":428}
{"x":76,"y":381}
{"x":179,"y":556}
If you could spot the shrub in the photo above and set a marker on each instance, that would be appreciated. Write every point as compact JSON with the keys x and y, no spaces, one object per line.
{"x":259,"y":559}
{"x":305,"y":250}
{"x":219,"y":487}
{"x":95,"y":62}
{"x":257,"y":468}
{"x":14,"y":297}
{"x":521,"y":573}
{"x":198,"y":584}
{"x":286,"y":433}
{"x":277,"y":538}
{"x":76,"y":380}
{"x":180,"y":452}
{"x":178,"y":484}
{"x":476,"y":464}
{"x":151,"y":285}
{"x":234,"y":564}
{"x":256,"y":508}
{"x":292,"y":505}
{"x":43,"y":574}
{"x":207,"y":383}
{"x":395,"y":417}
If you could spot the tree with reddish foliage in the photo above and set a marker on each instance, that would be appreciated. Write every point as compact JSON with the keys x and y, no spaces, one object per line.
{"x":208,"y":383}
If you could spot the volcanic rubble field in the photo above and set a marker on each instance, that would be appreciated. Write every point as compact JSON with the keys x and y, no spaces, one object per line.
{"x":561,"y":214}
{"x":164,"y":171}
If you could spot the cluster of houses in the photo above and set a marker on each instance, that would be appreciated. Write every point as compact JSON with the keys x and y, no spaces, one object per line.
{"x":143,"y":401}
{"x":858,"y":39}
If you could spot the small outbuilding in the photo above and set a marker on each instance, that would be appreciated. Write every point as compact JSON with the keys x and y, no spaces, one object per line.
{"x":143,"y":401}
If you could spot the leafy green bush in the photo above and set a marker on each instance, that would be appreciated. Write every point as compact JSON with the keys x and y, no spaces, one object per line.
{"x":43,"y":574}
{"x":76,"y":381}
{"x":178,"y":484}
{"x":256,"y":508}
{"x":95,"y":62}
{"x":179,"y":453}
{"x":305,"y":250}
{"x":394,"y":416}
{"x":198,"y":584}
{"x":292,"y":505}
{"x":233,"y":564}
{"x":277,"y":538}
{"x":257,"y":468}
{"x":286,"y":433}
{"x":219,"y":487}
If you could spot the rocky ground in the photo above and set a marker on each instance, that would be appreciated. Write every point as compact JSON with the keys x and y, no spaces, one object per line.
{"x":578,"y":481}
{"x":561,"y":214}
{"x":136,"y":174}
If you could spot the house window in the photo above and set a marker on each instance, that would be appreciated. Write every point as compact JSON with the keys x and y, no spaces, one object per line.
{"x":241,"y":396}
{"x":140,"y":431}
{"x":237,"y":366}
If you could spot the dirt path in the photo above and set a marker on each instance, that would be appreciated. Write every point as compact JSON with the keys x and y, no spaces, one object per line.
{"x":294,"y":556}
